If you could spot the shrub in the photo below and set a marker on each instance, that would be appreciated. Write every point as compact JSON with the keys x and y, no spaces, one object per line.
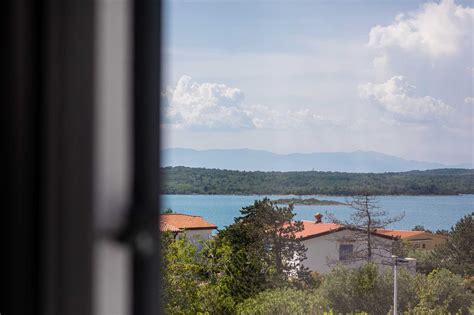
{"x":282,"y":301}
{"x":442,"y":292}
{"x":366,"y":289}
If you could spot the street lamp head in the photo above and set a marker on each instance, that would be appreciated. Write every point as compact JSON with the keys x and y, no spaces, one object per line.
{"x":402,"y":259}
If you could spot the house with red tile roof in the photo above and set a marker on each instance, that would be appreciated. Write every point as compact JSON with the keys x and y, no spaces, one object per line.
{"x":329,"y":244}
{"x":418,"y":239}
{"x":194,"y":227}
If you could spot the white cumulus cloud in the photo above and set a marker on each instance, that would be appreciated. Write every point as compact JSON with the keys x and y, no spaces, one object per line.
{"x":396,"y":96}
{"x":469,"y":100}
{"x":438,"y":29}
{"x":193,"y":105}
{"x":206,"y":105}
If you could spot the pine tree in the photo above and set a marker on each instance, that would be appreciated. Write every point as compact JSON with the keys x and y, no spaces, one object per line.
{"x":266,"y":252}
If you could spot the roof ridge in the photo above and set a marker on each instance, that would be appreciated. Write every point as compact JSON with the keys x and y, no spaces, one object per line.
{"x":325,"y":223}
{"x":402,"y":230}
{"x":185,"y":214}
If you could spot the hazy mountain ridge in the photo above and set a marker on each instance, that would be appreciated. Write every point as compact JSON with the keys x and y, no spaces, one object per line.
{"x":259,"y":160}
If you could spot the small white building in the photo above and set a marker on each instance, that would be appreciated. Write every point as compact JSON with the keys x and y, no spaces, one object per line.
{"x":329,"y":244}
{"x":194,"y":227}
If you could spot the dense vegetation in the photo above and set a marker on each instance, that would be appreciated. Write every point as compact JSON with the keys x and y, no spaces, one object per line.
{"x":457,"y":254}
{"x":185,"y":180}
{"x":245,"y":270}
{"x":255,"y":253}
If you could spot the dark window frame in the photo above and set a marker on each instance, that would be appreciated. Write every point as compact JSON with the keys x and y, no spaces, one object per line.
{"x":345,"y":254}
{"x":48,"y":110}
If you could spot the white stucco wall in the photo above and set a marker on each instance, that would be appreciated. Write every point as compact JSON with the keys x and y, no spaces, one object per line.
{"x":323,"y":251}
{"x":197,"y":236}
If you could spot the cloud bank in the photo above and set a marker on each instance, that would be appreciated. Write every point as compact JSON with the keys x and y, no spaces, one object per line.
{"x":469,"y":100}
{"x":397,"y":97}
{"x":428,"y":48}
{"x":437,"y":30}
{"x":193,"y":105}
{"x":206,"y":105}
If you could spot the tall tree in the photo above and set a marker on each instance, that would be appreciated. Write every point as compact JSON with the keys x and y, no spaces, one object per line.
{"x":367,"y":217}
{"x":457,"y":254}
{"x":265,"y":251}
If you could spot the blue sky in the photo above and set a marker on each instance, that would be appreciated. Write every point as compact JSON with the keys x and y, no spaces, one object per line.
{"x":308,"y":76}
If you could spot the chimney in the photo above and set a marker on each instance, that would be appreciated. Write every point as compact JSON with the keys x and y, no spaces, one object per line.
{"x":318,"y":217}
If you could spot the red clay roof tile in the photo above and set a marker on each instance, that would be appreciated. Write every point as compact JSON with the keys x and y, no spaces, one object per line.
{"x":400,"y":233}
{"x":177,"y":221}
{"x":312,"y":229}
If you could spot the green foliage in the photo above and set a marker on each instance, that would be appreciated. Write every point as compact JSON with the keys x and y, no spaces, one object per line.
{"x":249,"y":268}
{"x":182,"y":277}
{"x":168,"y":211}
{"x":316,"y":279}
{"x":457,"y":254}
{"x":420,"y":227}
{"x":425,"y":262}
{"x":217,"y":267}
{"x":258,"y":252}
{"x":283,"y":302}
{"x":366,"y":289}
{"x":185,"y":180}
{"x":265,"y":251}
{"x":442,"y":292}
{"x":193,"y":280}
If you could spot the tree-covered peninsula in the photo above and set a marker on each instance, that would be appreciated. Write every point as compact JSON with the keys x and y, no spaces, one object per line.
{"x":186,"y":180}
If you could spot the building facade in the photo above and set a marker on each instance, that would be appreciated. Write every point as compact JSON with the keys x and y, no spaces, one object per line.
{"x":418,"y":239}
{"x":195,"y":228}
{"x":330,"y":244}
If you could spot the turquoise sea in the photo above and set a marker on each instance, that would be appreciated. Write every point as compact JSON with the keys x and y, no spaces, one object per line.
{"x":433,"y":212}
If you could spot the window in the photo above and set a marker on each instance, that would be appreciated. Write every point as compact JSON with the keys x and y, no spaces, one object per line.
{"x":345,"y":251}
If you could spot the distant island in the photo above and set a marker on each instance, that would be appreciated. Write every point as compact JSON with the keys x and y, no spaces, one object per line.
{"x":187,"y":181}
{"x":308,"y":202}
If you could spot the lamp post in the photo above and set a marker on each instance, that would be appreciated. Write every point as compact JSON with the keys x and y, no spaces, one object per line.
{"x":396,"y":261}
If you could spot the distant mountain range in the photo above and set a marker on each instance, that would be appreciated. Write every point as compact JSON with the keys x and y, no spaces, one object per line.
{"x":259,"y":160}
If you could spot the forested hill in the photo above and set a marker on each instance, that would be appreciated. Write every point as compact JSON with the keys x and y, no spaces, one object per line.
{"x":186,"y":180}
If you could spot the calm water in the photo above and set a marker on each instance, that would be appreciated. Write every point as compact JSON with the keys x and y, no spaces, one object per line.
{"x":433,"y":212}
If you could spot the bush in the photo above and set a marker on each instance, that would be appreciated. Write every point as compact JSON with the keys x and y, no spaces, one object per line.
{"x":442,"y":292}
{"x":282,"y":301}
{"x":365,"y":289}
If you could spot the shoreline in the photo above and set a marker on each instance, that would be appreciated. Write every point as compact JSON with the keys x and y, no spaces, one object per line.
{"x":286,"y":195}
